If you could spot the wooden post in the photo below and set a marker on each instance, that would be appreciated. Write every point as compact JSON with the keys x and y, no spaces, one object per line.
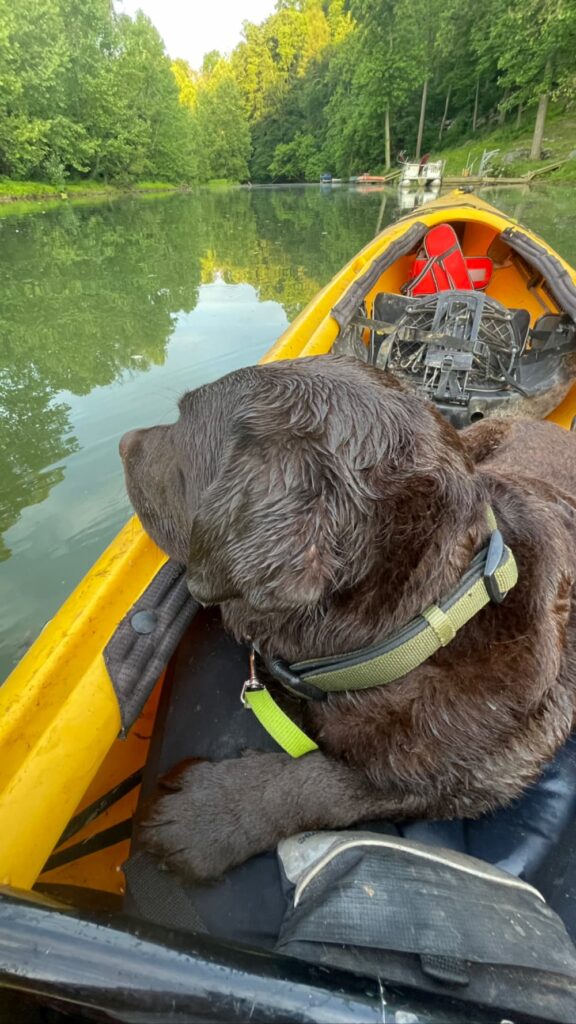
{"x":381,"y":212}
{"x":502,"y":110}
{"x":536,"y":151}
{"x":476,"y":100}
{"x":445,"y":114}
{"x":387,"y":137}
{"x":422,"y":117}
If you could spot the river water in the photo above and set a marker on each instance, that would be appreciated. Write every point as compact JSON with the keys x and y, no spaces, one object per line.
{"x":109,"y":312}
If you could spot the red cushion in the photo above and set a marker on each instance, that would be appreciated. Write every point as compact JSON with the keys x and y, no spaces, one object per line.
{"x":442,"y":265}
{"x":480,"y":270}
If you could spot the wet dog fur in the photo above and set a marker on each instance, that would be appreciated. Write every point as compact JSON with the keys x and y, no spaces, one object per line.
{"x":322,"y":507}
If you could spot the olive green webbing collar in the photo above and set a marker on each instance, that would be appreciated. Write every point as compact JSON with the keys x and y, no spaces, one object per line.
{"x":489,"y":577}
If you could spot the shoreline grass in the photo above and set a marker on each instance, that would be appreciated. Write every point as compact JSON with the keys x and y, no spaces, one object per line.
{"x":34,"y":191}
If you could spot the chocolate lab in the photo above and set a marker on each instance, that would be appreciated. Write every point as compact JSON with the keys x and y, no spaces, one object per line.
{"x":324,"y":507}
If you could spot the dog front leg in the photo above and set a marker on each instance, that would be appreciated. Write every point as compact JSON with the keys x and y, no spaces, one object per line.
{"x":208,"y":817}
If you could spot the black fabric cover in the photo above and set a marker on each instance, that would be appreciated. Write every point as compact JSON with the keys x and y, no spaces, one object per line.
{"x":200,"y":715}
{"x":135,"y":659}
{"x":349,"y":304}
{"x":155,"y":897}
{"x":399,"y":910}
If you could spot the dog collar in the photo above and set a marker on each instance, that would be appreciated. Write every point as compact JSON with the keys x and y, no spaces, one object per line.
{"x":488,"y":578}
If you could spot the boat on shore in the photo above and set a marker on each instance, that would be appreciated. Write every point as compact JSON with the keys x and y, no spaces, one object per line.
{"x":82,"y":735}
{"x":424,"y":174}
{"x":370,"y":179}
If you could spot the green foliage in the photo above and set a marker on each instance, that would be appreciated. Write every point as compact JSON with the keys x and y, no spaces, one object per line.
{"x":319,"y":79}
{"x":221,"y":131}
{"x":298,"y":160}
{"x":85,"y":92}
{"x":546,"y":31}
{"x":318,"y":85}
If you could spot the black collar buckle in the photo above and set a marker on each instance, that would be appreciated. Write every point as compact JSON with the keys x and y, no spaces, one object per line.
{"x":495,"y":557}
{"x":290,"y":681}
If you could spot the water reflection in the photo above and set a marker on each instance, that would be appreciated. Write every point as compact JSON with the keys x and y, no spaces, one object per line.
{"x":91,"y":293}
{"x":410,"y":198}
{"x":108,"y":312}
{"x":86,"y":295}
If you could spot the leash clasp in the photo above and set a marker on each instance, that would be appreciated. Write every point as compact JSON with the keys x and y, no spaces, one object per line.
{"x":252,"y":683}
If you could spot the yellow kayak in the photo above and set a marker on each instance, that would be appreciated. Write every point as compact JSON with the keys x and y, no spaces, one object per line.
{"x":61,"y":750}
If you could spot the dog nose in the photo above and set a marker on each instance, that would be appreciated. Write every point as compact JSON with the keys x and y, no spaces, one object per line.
{"x":128,"y":442}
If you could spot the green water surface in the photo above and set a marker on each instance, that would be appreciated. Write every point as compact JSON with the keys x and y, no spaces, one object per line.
{"x":109,"y":312}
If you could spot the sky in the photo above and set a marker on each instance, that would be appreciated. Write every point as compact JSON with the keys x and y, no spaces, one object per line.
{"x":190,"y":28}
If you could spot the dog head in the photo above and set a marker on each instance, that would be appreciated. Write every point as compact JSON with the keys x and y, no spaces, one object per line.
{"x":280,"y":484}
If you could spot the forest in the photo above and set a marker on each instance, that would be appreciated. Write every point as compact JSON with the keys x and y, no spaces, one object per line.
{"x":342,"y":86}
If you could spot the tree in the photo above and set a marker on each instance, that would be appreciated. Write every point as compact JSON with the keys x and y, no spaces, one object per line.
{"x":222,"y":133}
{"x":276,"y":67}
{"x":387,"y":63}
{"x":536,"y":42}
{"x":34,"y":120}
{"x":298,"y":160}
{"x":87,"y":92}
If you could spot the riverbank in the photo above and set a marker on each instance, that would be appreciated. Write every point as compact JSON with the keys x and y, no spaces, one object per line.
{"x":510,"y":148}
{"x":31,"y":191}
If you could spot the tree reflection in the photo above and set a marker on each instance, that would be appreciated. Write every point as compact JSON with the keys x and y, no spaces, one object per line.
{"x":287,"y":243}
{"x":89,"y":292}
{"x":35,"y":434}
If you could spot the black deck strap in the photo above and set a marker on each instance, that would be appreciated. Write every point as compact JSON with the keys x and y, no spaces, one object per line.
{"x":80,"y":897}
{"x":103,"y":803}
{"x":557,"y":278}
{"x":446,"y":969}
{"x":348,"y":305}
{"x":92,"y":844}
{"x":146,"y":638}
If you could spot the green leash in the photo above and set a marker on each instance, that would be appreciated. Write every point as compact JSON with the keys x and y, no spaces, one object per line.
{"x":277,"y":724}
{"x":489,"y":577}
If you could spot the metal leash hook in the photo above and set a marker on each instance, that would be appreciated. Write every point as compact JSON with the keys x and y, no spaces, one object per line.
{"x":252,"y":683}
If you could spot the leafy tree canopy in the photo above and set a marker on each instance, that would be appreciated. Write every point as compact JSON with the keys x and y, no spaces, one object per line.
{"x":319,"y":85}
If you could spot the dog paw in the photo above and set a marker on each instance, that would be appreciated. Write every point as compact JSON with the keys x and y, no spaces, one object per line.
{"x":201,"y":822}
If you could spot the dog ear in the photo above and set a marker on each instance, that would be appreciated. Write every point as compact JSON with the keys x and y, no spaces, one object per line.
{"x":270,"y":529}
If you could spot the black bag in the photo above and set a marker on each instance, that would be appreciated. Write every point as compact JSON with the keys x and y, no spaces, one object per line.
{"x":426,"y":917}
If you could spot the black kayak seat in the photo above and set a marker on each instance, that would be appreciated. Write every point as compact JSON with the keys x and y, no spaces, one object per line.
{"x":201,"y":715}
